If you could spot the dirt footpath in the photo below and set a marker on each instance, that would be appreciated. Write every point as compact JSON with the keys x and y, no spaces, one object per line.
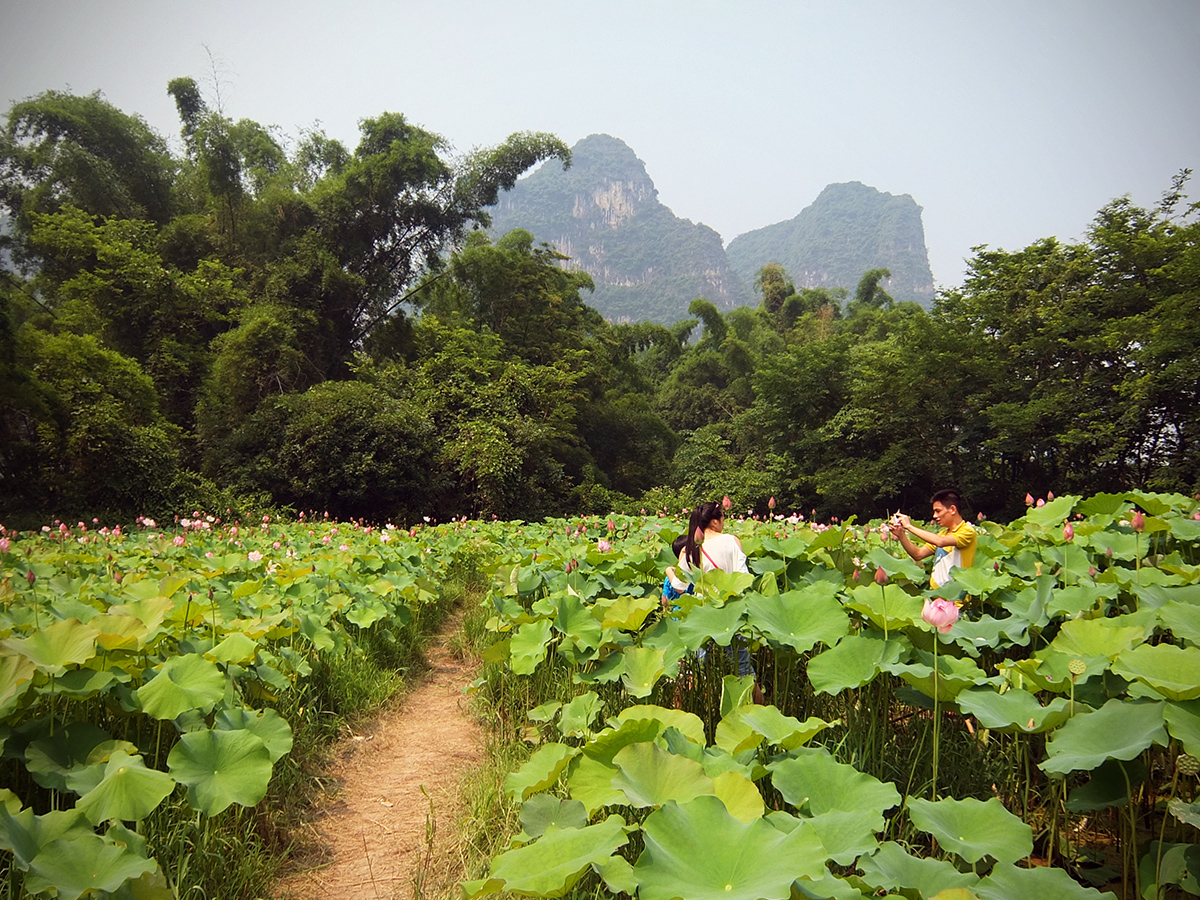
{"x":375,"y":824}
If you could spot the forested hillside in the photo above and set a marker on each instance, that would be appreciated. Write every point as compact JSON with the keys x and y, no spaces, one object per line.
{"x":848,"y":230}
{"x":255,"y":324}
{"x":604,"y":214}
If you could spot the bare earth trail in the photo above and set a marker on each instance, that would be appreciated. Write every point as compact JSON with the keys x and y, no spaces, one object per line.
{"x":375,"y":825}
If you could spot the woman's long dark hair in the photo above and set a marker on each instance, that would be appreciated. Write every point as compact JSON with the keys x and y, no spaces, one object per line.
{"x":702,"y":516}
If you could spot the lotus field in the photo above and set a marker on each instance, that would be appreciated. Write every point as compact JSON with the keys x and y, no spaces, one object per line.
{"x":1042,"y":744}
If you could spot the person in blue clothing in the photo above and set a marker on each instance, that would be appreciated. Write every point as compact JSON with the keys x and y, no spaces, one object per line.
{"x":675,"y":587}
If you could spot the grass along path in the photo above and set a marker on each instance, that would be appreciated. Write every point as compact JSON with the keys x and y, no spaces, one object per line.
{"x":375,"y":827}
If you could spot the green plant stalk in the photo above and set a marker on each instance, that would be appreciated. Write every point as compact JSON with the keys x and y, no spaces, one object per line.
{"x":883,"y":590}
{"x":936,"y":720}
{"x":1131,"y":847}
{"x":1162,"y":832}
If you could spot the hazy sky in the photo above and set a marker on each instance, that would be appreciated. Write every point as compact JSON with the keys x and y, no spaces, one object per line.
{"x":1007,"y":121}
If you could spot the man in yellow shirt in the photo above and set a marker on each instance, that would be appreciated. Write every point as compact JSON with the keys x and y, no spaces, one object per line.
{"x":952,"y":547}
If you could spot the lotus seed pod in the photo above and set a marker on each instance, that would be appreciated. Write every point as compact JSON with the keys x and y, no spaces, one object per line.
{"x":1077,"y":667}
{"x":1187,"y":765}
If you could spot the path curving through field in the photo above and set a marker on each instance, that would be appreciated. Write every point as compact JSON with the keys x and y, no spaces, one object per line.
{"x":374,"y":828}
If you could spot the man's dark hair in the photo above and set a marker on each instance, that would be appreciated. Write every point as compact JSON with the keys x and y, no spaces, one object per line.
{"x":950,"y":497}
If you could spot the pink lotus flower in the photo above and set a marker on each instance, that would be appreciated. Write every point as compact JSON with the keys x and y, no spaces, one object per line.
{"x":939,"y":613}
{"x":4,"y":545}
{"x":1138,"y":522}
{"x":1068,"y":532}
{"x":180,"y":540}
{"x":254,"y":556}
{"x":1041,"y":503}
{"x":603,"y":546}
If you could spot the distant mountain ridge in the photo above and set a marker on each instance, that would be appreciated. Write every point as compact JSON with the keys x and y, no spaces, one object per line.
{"x":648,"y":264}
{"x":849,"y":229}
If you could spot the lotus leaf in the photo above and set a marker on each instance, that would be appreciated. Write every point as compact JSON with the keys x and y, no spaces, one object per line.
{"x":1118,"y":730}
{"x":540,"y":771}
{"x":182,"y":683}
{"x":365,"y":613}
{"x":846,"y":834}
{"x":699,"y":851}
{"x":51,"y":759}
{"x":903,"y":609}
{"x":736,"y":691}
{"x":855,"y":661}
{"x":82,"y":779}
{"x":627,"y":613}
{"x":650,"y":776}
{"x":892,"y":867}
{"x":579,"y":714}
{"x":1007,"y":881}
{"x":541,"y":811}
{"x":1013,"y":710}
{"x":1103,"y":505}
{"x":973,"y":828}
{"x":1108,"y":786}
{"x":119,"y":632}
{"x":551,"y":866}
{"x":987,"y":631}
{"x":830,"y":887}
{"x":221,"y":768}
{"x":1080,"y":598}
{"x":16,"y":674}
{"x":1182,"y":619}
{"x":799,"y":619}
{"x":1098,"y":637}
{"x":711,"y":622}
{"x":265,"y":724}
{"x":528,"y":647}
{"x":978,"y":581}
{"x":739,"y":794}
{"x":1173,"y":672}
{"x":1053,"y":513}
{"x":82,"y":865}
{"x":544,"y":712}
{"x":605,"y":745}
{"x":747,"y":726}
{"x":1185,"y":812}
{"x":1180,"y":865}
{"x":576,"y":621}
{"x":897,"y":566}
{"x":689,"y":724}
{"x":129,"y":791}
{"x":812,"y":780}
{"x":617,"y":874}
{"x":644,"y":666}
{"x":954,"y":675}
{"x":53,"y":648}
{"x":590,"y":782}
{"x":1183,"y":722}
{"x":236,"y":648}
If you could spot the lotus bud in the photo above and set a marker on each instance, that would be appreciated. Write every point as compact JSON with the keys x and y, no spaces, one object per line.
{"x":771,"y":503}
{"x":1108,"y":552}
{"x":1196,"y":515}
{"x":612,"y":526}
{"x":1028,"y":499}
{"x":62,"y":529}
{"x":30,"y":577}
{"x":1092,"y":571}
{"x":856,"y":574}
{"x":1041,"y":503}
{"x":1049,"y":496}
{"x":1068,"y":532}
{"x":1138,"y":522}
{"x":880,"y":577}
{"x":117,"y":576}
{"x":698,"y":537}
{"x":996,"y":566}
{"x":941,"y":614}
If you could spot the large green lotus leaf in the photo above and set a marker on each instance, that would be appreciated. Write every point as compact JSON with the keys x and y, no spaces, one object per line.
{"x":740,"y":795}
{"x":119,"y":632}
{"x":65,"y":643}
{"x":978,"y":581}
{"x":182,"y":683}
{"x":590,"y":782}
{"x":699,"y":851}
{"x":1118,"y":730}
{"x":609,"y":670}
{"x":129,"y":791}
{"x":845,"y":834}
{"x":16,"y":674}
{"x":893,"y":868}
{"x":897,"y":565}
{"x":606,"y":744}
{"x":617,"y":874}
{"x":1070,"y":602}
{"x":903,"y":609}
{"x":800,"y":619}
{"x":625,"y":612}
{"x":973,"y":828}
{"x":1182,"y":619}
{"x":51,"y":759}
{"x":811,"y":780}
{"x":954,"y":676}
{"x":747,"y":726}
{"x":541,"y":811}
{"x":84,"y":864}
{"x":1103,"y":505}
{"x":689,"y":724}
{"x":1043,"y":882}
{"x":266,"y":724}
{"x":855,"y":661}
{"x":540,"y":771}
{"x":221,"y":768}
{"x":82,"y":779}
{"x":1098,"y":637}
{"x":718,"y":623}
{"x":644,"y":666}
{"x":736,"y":691}
{"x":1160,"y":596}
{"x":551,"y":865}
{"x":1185,"y":812}
{"x":579,"y":714}
{"x":528,"y":647}
{"x":24,"y":834}
{"x":1172,"y":671}
{"x":236,"y":648}
{"x":365,"y":613}
{"x":575,"y":620}
{"x":1180,"y":864}
{"x":1053,"y":513}
{"x":650,"y":776}
{"x":1108,"y":786}
{"x":1014,"y":710}
{"x":1183,"y":722}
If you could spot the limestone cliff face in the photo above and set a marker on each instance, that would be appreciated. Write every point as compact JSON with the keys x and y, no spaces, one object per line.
{"x":604,"y":213}
{"x":848,"y":230}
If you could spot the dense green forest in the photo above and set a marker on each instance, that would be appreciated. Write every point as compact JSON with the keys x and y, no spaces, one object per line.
{"x":255,"y":323}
